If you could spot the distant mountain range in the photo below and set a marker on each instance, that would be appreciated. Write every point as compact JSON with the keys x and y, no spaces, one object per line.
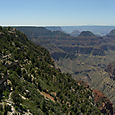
{"x":75,"y":33}
{"x":54,"y":28}
{"x":98,"y":30}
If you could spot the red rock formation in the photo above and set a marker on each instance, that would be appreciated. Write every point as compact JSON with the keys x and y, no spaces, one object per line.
{"x":103,"y":102}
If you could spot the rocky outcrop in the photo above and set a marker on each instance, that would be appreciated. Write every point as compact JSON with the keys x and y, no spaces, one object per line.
{"x":111,"y":70}
{"x":103,"y":103}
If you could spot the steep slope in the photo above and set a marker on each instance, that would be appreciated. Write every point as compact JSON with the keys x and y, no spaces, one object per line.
{"x":86,"y":59}
{"x":111,"y":70}
{"x":30,"y":83}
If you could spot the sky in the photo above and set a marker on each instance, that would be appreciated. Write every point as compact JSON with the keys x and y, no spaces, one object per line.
{"x":57,"y":12}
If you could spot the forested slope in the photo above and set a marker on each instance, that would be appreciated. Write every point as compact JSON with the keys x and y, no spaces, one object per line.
{"x":30,"y":83}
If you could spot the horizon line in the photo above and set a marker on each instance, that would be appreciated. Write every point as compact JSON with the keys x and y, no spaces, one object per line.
{"x":52,"y":25}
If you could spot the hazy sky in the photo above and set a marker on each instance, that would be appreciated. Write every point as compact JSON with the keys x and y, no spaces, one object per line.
{"x":57,"y":12}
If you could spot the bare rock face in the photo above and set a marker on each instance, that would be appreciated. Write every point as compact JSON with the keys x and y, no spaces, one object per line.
{"x":104,"y":103}
{"x":111,"y":70}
